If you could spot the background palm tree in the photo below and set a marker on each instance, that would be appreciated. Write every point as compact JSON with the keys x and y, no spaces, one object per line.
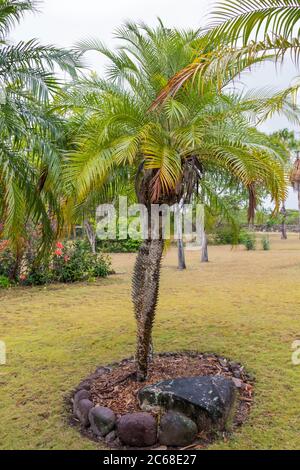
{"x":295,"y":180}
{"x":168,"y":151}
{"x":31,"y":135}
{"x":292,"y":144}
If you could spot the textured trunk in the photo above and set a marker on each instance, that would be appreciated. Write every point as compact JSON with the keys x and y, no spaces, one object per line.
{"x":181,"y":255}
{"x":16,"y":268}
{"x":283,"y":224}
{"x":145,"y":295}
{"x":204,"y":254}
{"x":283,"y":230}
{"x":299,"y":206}
{"x":91,"y":235}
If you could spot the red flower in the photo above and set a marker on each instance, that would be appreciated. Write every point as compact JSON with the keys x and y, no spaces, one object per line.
{"x":3,"y":245}
{"x":59,"y":245}
{"x":58,"y":252}
{"x":66,"y":258}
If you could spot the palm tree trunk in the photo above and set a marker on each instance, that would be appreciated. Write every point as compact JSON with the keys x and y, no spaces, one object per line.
{"x":283,"y":223}
{"x":145,"y":295}
{"x":204,"y":255}
{"x":16,"y":267}
{"x":181,"y":255}
{"x":283,"y":230}
{"x":91,"y":235}
{"x":299,"y":206}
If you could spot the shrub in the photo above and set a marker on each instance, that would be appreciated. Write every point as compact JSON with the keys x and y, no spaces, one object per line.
{"x":249,"y":242}
{"x":74,"y":262}
{"x":102,"y":266}
{"x":265,"y":243}
{"x":270,"y":223}
{"x":119,"y":246}
{"x":37,"y":275}
{"x":4,"y":282}
{"x":228,"y":235}
{"x":7,"y":260}
{"x":70,"y":262}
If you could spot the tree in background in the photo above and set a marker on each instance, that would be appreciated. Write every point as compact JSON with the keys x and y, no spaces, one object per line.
{"x":293,"y":167}
{"x":295,"y":180}
{"x":31,"y":135}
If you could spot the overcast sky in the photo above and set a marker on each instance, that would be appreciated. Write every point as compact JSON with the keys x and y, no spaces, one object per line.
{"x":64,"y":22}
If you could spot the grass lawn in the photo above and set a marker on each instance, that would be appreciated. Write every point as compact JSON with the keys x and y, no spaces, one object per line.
{"x":243,"y":305}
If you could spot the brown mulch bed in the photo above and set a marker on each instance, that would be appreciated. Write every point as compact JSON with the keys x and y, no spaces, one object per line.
{"x":117,"y":388}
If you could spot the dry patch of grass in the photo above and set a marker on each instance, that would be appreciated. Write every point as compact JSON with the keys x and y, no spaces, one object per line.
{"x":243,"y":305}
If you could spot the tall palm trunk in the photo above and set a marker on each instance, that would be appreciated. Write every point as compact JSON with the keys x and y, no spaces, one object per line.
{"x":91,"y":235}
{"x":180,"y":244}
{"x":283,"y":223}
{"x":181,"y":255}
{"x":145,"y":295}
{"x":295,"y":180}
{"x":204,"y":253}
{"x":16,"y":267}
{"x":299,"y":206}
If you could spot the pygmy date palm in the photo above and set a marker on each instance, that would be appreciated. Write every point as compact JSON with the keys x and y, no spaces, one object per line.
{"x":169,"y":151}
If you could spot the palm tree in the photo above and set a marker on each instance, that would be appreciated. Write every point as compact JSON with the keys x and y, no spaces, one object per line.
{"x":31,"y":134}
{"x":288,"y":138}
{"x":295,"y":180}
{"x":168,"y":151}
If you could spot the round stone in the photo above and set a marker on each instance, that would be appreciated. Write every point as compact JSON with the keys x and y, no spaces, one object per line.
{"x":176,"y":430}
{"x":137,"y":429}
{"x":102,"y":420}
{"x":81,"y":395}
{"x":82,"y":411}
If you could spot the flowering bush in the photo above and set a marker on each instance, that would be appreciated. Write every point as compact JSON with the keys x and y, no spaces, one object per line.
{"x":74,"y":262}
{"x":69,"y":262}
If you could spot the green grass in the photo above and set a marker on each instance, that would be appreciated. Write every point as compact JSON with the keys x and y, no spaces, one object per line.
{"x":243,"y":305}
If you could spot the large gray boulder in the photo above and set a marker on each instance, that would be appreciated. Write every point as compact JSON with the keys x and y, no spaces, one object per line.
{"x":207,"y":400}
{"x":176,"y":430}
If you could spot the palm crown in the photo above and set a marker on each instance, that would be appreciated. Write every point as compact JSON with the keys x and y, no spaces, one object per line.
{"x":195,"y":131}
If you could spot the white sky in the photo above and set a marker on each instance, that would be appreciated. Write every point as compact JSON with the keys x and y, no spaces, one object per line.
{"x":64,"y":22}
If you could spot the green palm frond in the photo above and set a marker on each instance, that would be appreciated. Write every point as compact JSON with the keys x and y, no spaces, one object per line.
{"x":12,"y":11}
{"x":246,"y":20}
{"x":243,"y":35}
